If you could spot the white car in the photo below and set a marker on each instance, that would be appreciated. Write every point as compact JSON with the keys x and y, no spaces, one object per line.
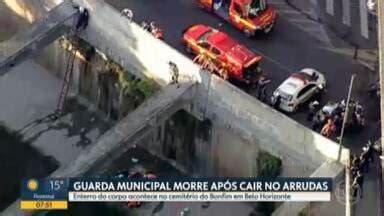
{"x":298,"y":88}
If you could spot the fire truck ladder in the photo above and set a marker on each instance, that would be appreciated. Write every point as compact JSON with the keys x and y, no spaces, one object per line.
{"x":66,"y":82}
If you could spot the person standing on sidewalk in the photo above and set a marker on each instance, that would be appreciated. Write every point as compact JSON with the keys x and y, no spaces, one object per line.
{"x":358,"y":184}
{"x":355,"y":165}
{"x":368,"y":152}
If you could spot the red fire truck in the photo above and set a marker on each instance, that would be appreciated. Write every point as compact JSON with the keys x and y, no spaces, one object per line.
{"x":249,"y":16}
{"x":241,"y":63}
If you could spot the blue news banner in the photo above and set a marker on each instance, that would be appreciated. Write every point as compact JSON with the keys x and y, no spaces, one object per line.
{"x":55,"y":193}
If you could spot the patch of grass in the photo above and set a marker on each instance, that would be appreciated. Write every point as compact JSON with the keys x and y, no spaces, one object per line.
{"x":268,"y":165}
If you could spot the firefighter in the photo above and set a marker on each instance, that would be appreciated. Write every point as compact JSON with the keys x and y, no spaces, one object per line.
{"x":356,"y":165}
{"x":355,"y":160}
{"x":208,"y":64}
{"x":199,"y":59}
{"x":358,"y":184}
{"x":224,"y":72}
{"x":338,"y":122}
{"x":217,"y":4}
{"x":328,"y":129}
{"x":82,"y":22}
{"x":262,"y":88}
{"x":127,"y":13}
{"x":203,"y":60}
{"x":276,"y":102}
{"x":313,"y":107}
{"x":174,"y":73}
{"x":156,"y":31}
{"x":316,"y":122}
{"x":145,"y":25}
{"x":368,"y":152}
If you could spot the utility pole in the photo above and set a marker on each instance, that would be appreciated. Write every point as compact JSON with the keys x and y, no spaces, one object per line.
{"x":380,"y":28}
{"x":348,"y":206}
{"x":346,"y":114}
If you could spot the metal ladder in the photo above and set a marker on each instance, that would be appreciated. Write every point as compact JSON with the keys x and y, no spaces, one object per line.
{"x":66,"y":82}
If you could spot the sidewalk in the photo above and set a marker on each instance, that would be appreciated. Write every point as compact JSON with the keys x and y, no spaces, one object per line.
{"x":369,"y":205}
{"x":366,"y":57}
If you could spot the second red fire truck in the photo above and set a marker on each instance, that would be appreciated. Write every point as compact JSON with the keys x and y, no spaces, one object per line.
{"x":249,"y":16}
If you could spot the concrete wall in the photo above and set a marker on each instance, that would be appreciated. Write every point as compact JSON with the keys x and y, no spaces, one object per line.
{"x":327,"y":169}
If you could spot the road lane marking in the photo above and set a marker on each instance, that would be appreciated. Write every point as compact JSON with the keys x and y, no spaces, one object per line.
{"x":330,"y":7}
{"x":302,"y":22}
{"x":346,"y":12}
{"x":364,"y":18}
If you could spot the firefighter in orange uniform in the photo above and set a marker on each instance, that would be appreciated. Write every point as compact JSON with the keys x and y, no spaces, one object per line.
{"x":328,"y":129}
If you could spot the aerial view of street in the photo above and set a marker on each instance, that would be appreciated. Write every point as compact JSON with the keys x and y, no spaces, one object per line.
{"x":146,"y":89}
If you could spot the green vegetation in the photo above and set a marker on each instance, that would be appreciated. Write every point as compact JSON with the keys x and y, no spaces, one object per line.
{"x":130,"y":84}
{"x":131,"y":90}
{"x":86,"y":49}
{"x":77,"y":43}
{"x":304,"y":212}
{"x":268,"y":165}
{"x":132,"y":87}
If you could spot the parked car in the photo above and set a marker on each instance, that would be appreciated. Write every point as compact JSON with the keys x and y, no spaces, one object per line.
{"x":298,"y":89}
{"x":240,"y":62}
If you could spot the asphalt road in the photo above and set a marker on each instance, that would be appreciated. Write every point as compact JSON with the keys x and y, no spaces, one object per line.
{"x":288,"y":48}
{"x":294,"y":44}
